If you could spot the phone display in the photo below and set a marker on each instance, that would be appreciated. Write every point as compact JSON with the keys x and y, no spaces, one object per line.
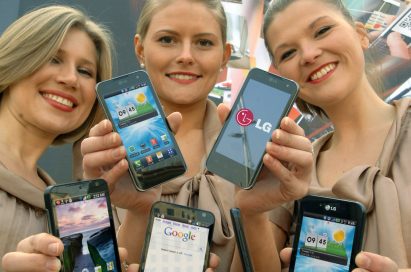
{"x":131,"y":104}
{"x":80,"y":215}
{"x":328,"y":235}
{"x":246,"y":260}
{"x":178,"y":239}
{"x":262,"y":102}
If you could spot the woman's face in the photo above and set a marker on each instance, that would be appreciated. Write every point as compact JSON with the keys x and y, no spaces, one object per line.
{"x":183,"y":52}
{"x":320,"y":50}
{"x":59,"y":96}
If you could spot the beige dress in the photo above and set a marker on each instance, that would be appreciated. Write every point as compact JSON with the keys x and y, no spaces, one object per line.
{"x":204,"y":191}
{"x":383,"y":188}
{"x":21,"y":209}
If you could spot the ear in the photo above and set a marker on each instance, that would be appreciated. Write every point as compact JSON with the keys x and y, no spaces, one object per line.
{"x":139,"y":48}
{"x":362,"y":34}
{"x":227,"y":53}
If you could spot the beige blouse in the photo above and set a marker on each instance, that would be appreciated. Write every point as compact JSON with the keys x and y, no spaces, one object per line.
{"x":21,"y":209}
{"x":204,"y":191}
{"x":384,"y":189}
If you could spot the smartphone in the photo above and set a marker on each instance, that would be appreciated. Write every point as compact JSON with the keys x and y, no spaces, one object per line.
{"x":131,"y":104}
{"x":329,"y":234}
{"x":246,"y":260}
{"x":263,"y":100}
{"x":178,"y":239}
{"x":80,"y":215}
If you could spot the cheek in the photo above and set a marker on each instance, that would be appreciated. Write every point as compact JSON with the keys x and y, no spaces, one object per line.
{"x":89,"y":94}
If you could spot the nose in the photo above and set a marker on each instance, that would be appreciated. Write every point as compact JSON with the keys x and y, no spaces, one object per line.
{"x":185,"y":55}
{"x":309,"y":53}
{"x":68,"y":75}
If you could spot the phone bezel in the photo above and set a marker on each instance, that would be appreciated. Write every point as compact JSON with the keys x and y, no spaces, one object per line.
{"x":161,"y":173}
{"x":75,"y":189}
{"x":241,"y":240}
{"x":347,"y":209}
{"x":206,"y":218}
{"x":226,"y":167}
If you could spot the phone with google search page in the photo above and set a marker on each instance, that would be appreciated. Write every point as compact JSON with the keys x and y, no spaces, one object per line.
{"x":178,"y":238}
{"x":263,"y":100}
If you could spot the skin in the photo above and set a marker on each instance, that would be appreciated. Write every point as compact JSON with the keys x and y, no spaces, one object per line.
{"x":196,"y":51}
{"x":301,"y":52}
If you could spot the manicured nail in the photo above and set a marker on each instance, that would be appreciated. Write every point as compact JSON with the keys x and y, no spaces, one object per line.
{"x":53,"y":248}
{"x":53,"y":265}
{"x":364,"y":261}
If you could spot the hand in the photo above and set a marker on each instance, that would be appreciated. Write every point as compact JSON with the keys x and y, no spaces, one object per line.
{"x":213,"y":263}
{"x":36,"y":253}
{"x":104,"y":157}
{"x":286,"y":174}
{"x":123,"y":257}
{"x":285,"y":256}
{"x":371,"y":262}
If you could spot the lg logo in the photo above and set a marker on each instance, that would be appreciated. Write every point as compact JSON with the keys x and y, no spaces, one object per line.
{"x":245,"y":117}
{"x":329,"y":207}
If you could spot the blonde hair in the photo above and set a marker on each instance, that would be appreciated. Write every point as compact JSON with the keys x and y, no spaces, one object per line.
{"x":152,"y":6}
{"x":32,"y":40}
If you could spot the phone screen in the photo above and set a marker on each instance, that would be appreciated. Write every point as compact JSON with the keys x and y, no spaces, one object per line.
{"x":176,"y":246}
{"x":325,"y":243}
{"x":83,"y":225}
{"x":247,"y":133}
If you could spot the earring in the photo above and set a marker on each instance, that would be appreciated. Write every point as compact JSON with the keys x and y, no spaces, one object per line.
{"x":221,"y":69}
{"x":142,"y":65}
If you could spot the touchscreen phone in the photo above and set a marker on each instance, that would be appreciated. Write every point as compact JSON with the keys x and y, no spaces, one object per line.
{"x":245,"y":257}
{"x":80,"y":215}
{"x":328,"y":235}
{"x":178,"y":239}
{"x":131,"y":104}
{"x":263,"y":100}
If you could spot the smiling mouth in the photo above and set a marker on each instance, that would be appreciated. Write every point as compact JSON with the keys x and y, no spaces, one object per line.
{"x":183,"y":76}
{"x":322,"y":72}
{"x":59,"y":99}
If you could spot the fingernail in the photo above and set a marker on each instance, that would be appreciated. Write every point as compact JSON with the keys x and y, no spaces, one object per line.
{"x":277,"y":134}
{"x":364,"y":261}
{"x":53,"y":248}
{"x":53,"y":265}
{"x":118,"y":152}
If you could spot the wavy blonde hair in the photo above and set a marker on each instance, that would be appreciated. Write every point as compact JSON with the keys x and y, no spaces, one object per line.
{"x":32,"y":40}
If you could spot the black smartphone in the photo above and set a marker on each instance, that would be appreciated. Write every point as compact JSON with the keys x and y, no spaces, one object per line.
{"x":80,"y":215}
{"x":264,"y":99}
{"x":178,"y":239}
{"x":131,"y":104}
{"x":329,"y":234}
{"x":246,"y":260}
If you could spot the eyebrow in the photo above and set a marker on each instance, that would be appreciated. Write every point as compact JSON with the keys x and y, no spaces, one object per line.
{"x":176,"y":33}
{"x":310,"y":26}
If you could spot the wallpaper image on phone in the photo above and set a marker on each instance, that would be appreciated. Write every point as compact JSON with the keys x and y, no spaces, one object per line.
{"x":176,"y":246}
{"x":143,"y":131}
{"x":325,"y":243}
{"x":84,"y":227}
{"x":248,"y":133}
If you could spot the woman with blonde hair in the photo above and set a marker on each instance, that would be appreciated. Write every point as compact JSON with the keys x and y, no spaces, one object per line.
{"x":50,"y":61}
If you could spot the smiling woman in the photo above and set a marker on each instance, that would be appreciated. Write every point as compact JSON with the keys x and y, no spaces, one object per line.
{"x":50,"y":61}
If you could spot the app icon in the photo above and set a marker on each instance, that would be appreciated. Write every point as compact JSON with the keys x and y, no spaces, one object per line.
{"x":131,"y":148}
{"x":244,"y":117}
{"x":97,"y":269}
{"x":143,"y":145}
{"x":164,"y":138}
{"x":159,"y":155}
{"x":110,"y":266}
{"x":137,"y":163}
{"x":149,"y":160}
{"x":153,"y":142}
{"x":170,"y":151}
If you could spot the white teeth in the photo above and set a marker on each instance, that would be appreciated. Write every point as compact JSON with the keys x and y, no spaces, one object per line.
{"x":323,"y":71}
{"x":182,"y":77}
{"x":59,"y":99}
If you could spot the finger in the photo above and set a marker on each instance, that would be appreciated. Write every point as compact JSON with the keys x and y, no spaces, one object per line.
{"x":285,"y":256}
{"x":102,"y":128}
{"x":133,"y":268}
{"x":300,"y":158}
{"x":94,"y":163}
{"x":115,"y":173}
{"x":41,"y":243}
{"x":122,"y":252}
{"x":375,"y":263}
{"x":34,"y":262}
{"x":214,"y":261}
{"x":289,"y":125}
{"x":99,"y":143}
{"x":223,"y":111}
{"x":174,"y":120}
